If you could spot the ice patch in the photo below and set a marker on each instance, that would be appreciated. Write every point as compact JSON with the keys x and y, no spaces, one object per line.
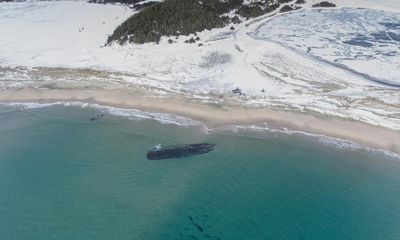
{"x":364,"y":41}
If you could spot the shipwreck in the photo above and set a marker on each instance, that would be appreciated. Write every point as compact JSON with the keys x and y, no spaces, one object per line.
{"x":178,"y":151}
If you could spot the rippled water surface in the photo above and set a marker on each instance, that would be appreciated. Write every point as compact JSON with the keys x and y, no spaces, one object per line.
{"x":65,"y":177}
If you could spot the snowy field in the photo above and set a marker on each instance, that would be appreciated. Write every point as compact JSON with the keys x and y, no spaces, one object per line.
{"x":362,"y":40}
{"x":60,"y":44}
{"x":56,"y":33}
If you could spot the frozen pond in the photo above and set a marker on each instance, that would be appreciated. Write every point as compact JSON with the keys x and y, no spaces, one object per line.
{"x":366,"y":42}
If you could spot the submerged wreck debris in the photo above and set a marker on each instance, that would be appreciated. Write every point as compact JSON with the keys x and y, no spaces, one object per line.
{"x":178,"y":151}
{"x":98,"y":117}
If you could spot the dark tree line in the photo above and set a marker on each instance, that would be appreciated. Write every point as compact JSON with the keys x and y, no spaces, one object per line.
{"x":115,"y":1}
{"x":324,"y":4}
{"x":183,"y":17}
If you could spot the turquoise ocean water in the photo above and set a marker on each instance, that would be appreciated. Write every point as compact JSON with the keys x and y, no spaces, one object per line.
{"x":64,"y":177}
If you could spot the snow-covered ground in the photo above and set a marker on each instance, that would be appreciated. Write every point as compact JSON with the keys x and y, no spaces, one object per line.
{"x":56,"y":33}
{"x":72,"y":35}
{"x":365,"y":41}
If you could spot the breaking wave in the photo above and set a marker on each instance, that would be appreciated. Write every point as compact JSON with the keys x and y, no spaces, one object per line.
{"x":132,"y":114}
{"x":167,"y":118}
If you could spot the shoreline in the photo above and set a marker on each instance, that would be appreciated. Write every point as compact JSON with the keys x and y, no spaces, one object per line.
{"x":212,"y":116}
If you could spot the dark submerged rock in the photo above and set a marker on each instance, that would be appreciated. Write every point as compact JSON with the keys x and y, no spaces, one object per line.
{"x":98,"y":117}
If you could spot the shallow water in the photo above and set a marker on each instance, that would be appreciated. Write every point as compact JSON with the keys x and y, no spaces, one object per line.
{"x":65,"y":177}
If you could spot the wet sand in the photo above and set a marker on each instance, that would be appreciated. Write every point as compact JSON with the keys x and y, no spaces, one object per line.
{"x":213,"y":116}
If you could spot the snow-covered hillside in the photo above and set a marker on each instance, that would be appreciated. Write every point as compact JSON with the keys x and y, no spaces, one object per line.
{"x":73,"y":34}
{"x":365,"y":41}
{"x":56,"y":33}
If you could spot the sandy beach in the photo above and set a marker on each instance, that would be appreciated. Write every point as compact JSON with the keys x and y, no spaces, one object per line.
{"x":296,"y":89}
{"x":218,"y":119}
{"x":213,"y":116}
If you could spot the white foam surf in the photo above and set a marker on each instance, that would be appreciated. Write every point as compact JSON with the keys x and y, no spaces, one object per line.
{"x":132,"y":114}
{"x":167,"y":118}
{"x":339,"y":143}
